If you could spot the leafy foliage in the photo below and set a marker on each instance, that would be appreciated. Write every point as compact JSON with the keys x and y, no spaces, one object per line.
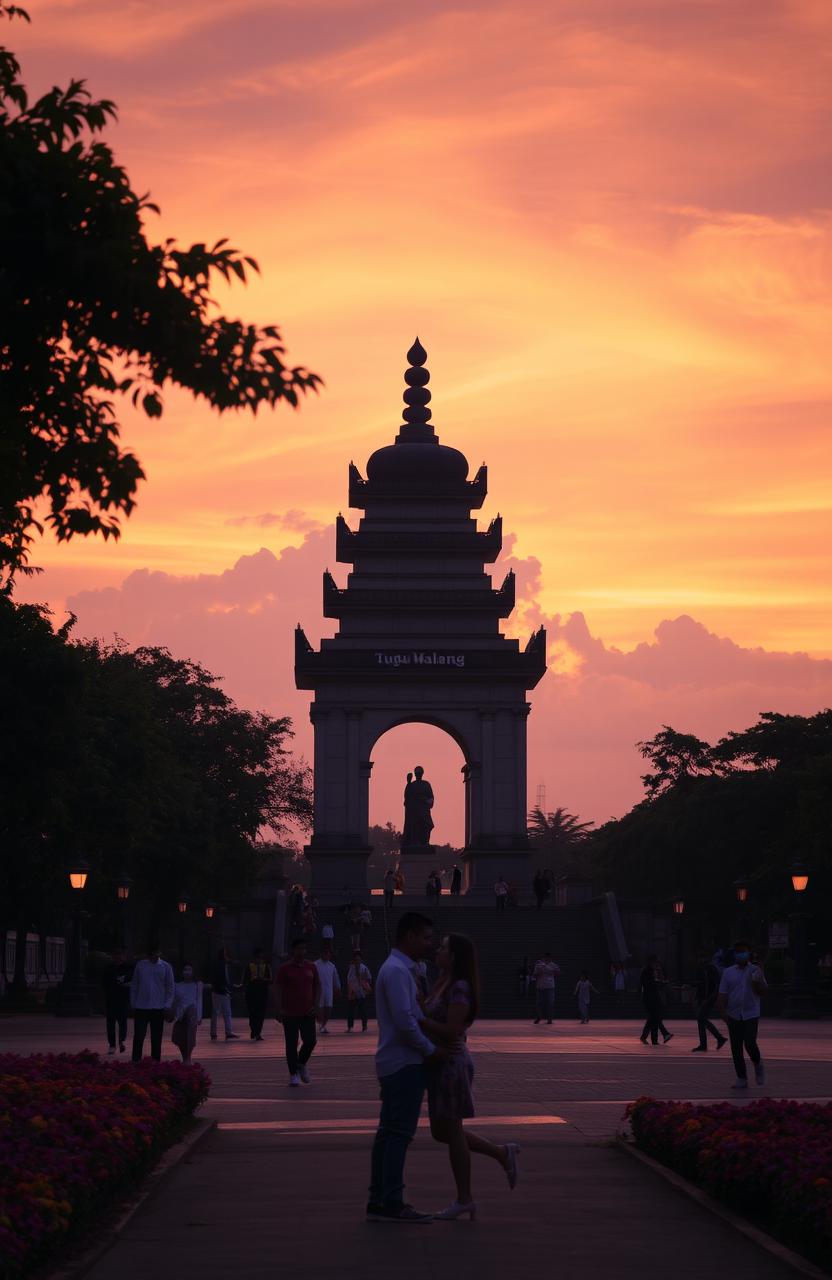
{"x":136,"y":760}
{"x":558,"y":838}
{"x":747,"y":807}
{"x":91,"y":312}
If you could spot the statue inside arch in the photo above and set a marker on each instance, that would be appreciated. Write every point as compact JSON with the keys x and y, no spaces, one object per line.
{"x":418,"y":802}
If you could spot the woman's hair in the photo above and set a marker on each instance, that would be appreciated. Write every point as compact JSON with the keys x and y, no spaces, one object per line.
{"x":465,"y":966}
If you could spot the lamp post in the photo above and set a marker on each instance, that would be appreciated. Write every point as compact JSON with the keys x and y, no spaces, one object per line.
{"x":678,"y":913}
{"x":182,"y":908}
{"x":123,"y":887}
{"x":73,"y":999}
{"x":801,"y":998}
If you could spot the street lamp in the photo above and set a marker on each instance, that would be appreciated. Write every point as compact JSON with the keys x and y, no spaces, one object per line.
{"x":78,"y":873}
{"x":801,"y":999}
{"x":123,"y":887}
{"x":800,"y":878}
{"x":74,"y":996}
{"x":182,"y":906}
{"x":209,"y":910}
{"x":678,"y":906}
{"x":741,"y":887}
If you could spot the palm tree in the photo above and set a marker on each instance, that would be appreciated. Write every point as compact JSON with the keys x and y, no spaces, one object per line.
{"x":557,"y":835}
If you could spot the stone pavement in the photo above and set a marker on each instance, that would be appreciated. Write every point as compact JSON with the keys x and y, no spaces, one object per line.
{"x":282,"y":1181}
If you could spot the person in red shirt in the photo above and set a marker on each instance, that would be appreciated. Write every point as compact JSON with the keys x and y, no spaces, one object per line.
{"x":297,"y":991}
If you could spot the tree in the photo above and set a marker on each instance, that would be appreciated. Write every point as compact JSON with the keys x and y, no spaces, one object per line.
{"x":90,"y":312}
{"x":676,"y":758}
{"x":558,"y":835}
{"x":136,"y":760}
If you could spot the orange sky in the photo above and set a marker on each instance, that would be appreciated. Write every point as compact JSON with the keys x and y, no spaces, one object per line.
{"x":608,"y":221}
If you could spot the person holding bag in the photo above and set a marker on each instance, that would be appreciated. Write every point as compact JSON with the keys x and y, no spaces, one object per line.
{"x":186,"y":1012}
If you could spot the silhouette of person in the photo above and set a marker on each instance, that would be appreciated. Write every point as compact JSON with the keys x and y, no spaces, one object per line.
{"x":418,"y":802}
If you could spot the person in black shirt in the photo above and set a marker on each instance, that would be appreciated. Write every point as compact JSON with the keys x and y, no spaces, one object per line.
{"x":650,"y":985}
{"x":707,"y":990}
{"x":117,"y":977}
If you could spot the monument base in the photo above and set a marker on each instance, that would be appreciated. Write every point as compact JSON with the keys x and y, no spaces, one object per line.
{"x":481,"y":868}
{"x":416,"y":863}
{"x":337,"y":872}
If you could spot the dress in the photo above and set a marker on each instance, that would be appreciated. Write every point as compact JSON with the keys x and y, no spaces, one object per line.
{"x":187,"y":1014}
{"x":450,"y":1085}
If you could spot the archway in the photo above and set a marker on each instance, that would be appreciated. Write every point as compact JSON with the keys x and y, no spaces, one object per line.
{"x":395,"y":754}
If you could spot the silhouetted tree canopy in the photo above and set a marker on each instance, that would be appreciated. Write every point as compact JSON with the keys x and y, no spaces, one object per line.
{"x":748,"y":807}
{"x":558,"y":838}
{"x":138,"y":762}
{"x":90,"y":311}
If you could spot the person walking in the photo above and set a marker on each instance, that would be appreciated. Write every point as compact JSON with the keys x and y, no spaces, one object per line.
{"x":151,"y":994}
{"x":117,"y":977}
{"x":389,"y":888}
{"x":187,"y":1012}
{"x":740,"y":988}
{"x":297,"y":992}
{"x":258,"y":979}
{"x":329,"y":986}
{"x":354,"y":921}
{"x":401,"y":1057}
{"x":359,"y":986}
{"x":456,"y":881}
{"x":540,"y":888}
{"x":501,"y":893}
{"x":650,"y":986}
{"x":450,"y":1010}
{"x":707,"y":992}
{"x":221,"y":995}
{"x":545,"y":974}
{"x":583,"y":990}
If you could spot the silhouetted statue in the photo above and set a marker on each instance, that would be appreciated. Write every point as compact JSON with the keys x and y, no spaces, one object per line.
{"x":418,"y":802}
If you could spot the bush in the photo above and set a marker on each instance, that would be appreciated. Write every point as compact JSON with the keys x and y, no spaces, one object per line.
{"x":75,"y":1131}
{"x":772,"y":1160}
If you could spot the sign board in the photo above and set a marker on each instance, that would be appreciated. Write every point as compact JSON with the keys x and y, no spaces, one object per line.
{"x":778,"y":936}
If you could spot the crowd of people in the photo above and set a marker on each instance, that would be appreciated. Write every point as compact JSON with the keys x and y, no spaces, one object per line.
{"x":423,"y":1023}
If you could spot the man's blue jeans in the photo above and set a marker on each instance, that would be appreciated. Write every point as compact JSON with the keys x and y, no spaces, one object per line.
{"x":401,"y":1102}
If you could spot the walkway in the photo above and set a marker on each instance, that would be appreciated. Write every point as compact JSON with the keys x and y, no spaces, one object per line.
{"x":282,"y":1181}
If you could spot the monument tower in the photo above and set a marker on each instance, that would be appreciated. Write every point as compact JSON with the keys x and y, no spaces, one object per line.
{"x":419,"y":641}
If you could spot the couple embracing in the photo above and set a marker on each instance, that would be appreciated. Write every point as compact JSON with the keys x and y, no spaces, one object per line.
{"x":421,"y":1047}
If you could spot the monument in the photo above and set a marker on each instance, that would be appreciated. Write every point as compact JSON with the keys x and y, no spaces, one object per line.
{"x":418,"y":642}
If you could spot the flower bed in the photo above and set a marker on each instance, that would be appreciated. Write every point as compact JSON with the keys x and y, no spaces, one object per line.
{"x":771,"y":1160}
{"x":74,"y":1132}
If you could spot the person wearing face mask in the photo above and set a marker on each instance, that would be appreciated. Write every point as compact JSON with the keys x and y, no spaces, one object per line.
{"x":187,"y":1012}
{"x":740,"y":988}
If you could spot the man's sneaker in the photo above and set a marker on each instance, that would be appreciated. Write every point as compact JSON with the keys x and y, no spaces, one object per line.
{"x":406,"y":1214}
{"x":229,"y":1035}
{"x":324,"y":1031}
{"x":111,"y":1049}
{"x":294,"y":1082}
{"x":121,"y":1047}
{"x":721,"y":1042}
{"x":740,"y":1084}
{"x":303,"y":1072}
{"x":375,"y":1211}
{"x":699,"y":1048}
{"x":760,"y":1073}
{"x":666,"y":1039}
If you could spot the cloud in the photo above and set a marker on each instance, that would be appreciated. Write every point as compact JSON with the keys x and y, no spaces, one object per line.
{"x":293,"y":519}
{"x":596,"y":701}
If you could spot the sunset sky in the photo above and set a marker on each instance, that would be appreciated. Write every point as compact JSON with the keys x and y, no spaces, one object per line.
{"x":609,"y":223}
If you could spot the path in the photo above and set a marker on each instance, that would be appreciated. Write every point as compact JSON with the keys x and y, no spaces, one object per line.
{"x":282,"y":1181}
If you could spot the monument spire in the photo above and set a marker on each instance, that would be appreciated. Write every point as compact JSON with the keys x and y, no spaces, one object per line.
{"x":416,"y":427}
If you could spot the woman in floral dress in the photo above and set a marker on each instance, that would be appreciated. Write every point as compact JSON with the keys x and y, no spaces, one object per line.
{"x":450,"y":1009}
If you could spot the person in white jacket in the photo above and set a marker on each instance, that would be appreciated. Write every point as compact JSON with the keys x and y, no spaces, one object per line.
{"x":187,"y":1012}
{"x":330,"y":988}
{"x":151,"y":993}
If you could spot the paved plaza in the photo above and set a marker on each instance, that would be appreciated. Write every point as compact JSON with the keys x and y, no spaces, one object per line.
{"x":282,"y":1180}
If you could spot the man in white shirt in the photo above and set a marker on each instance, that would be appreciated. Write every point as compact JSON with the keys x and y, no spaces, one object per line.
{"x":545,"y":973}
{"x":740,"y":989}
{"x":151,"y":993}
{"x":330,"y":986}
{"x":401,"y":1055}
